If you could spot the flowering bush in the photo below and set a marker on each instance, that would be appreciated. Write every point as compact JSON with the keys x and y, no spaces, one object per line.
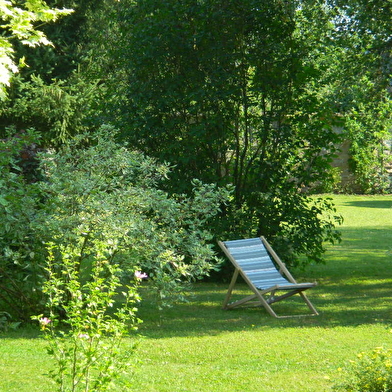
{"x":87,"y":345}
{"x":371,"y":372}
{"x":140,"y":275}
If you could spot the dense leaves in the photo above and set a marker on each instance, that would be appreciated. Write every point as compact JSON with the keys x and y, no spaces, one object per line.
{"x":98,"y":198}
{"x":21,"y":256}
{"x":57,"y":110}
{"x":19,"y":24}
{"x":244,"y":93}
{"x":361,"y":89}
{"x":234,"y":104}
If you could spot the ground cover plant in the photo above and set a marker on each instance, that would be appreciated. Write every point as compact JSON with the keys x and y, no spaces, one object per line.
{"x":197,"y":346}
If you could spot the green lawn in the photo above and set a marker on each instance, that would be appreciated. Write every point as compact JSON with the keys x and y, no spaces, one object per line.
{"x":199,"y":347}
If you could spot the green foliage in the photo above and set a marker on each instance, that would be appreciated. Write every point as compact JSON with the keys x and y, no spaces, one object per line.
{"x":363,"y":31}
{"x":49,"y":93}
{"x":302,"y":224}
{"x":235,"y":105}
{"x":57,"y":110}
{"x":359,"y":87}
{"x":95,"y":193}
{"x":220,"y":351}
{"x":371,"y":372}
{"x":368,"y":127}
{"x":59,"y":60}
{"x":20,"y":25}
{"x":88,"y":348}
{"x":108,"y":193}
{"x":210,"y":96}
{"x":6,"y":322}
{"x":21,"y":251}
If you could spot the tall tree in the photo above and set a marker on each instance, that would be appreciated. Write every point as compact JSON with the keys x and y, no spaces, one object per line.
{"x":223,"y":91}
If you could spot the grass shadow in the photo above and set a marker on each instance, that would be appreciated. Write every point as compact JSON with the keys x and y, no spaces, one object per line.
{"x":370,"y":203}
{"x":354,"y":289}
{"x":339,"y":306}
{"x":26,"y":331}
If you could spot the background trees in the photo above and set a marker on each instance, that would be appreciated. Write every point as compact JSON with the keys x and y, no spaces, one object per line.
{"x":49,"y":92}
{"x":236,"y":104}
{"x":361,"y":88}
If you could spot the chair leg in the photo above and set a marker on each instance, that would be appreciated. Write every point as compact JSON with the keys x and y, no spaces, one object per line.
{"x":310,"y":305}
{"x":230,"y":290}
{"x":244,"y":301}
{"x":268,"y":307}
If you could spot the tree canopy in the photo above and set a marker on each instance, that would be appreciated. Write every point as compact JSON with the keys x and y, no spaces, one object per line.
{"x":237,"y":104}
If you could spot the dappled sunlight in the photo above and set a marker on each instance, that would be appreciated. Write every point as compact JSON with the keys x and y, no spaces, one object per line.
{"x":351,"y":304}
{"x":354,"y":285}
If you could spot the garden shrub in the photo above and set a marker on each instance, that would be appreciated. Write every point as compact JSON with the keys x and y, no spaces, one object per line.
{"x":103,"y":221}
{"x":95,"y":193}
{"x":105,"y":193}
{"x":371,"y":372}
{"x":22,"y":254}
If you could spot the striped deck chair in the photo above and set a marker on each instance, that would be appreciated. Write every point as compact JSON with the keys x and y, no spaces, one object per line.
{"x":252,"y":260}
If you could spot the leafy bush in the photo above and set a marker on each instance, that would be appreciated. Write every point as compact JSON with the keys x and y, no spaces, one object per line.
{"x":296,"y":224}
{"x":59,"y":109}
{"x":22,"y":253}
{"x":371,"y":372}
{"x":95,"y":194}
{"x":106,"y":193}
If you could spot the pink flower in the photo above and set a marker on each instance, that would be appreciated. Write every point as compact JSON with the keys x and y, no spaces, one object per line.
{"x":140,"y":275}
{"x":83,"y":336}
{"x":44,"y":321}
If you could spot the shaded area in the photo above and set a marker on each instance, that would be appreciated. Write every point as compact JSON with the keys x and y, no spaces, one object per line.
{"x":369,"y":203}
{"x":339,"y":305}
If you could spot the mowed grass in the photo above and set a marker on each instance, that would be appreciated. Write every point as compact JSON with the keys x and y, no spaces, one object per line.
{"x":196,"y":346}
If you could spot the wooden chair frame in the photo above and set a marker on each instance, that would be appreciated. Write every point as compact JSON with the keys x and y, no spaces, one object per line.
{"x":266,"y":296}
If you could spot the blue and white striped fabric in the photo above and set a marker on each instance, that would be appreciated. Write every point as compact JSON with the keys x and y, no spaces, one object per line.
{"x":254,"y":260}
